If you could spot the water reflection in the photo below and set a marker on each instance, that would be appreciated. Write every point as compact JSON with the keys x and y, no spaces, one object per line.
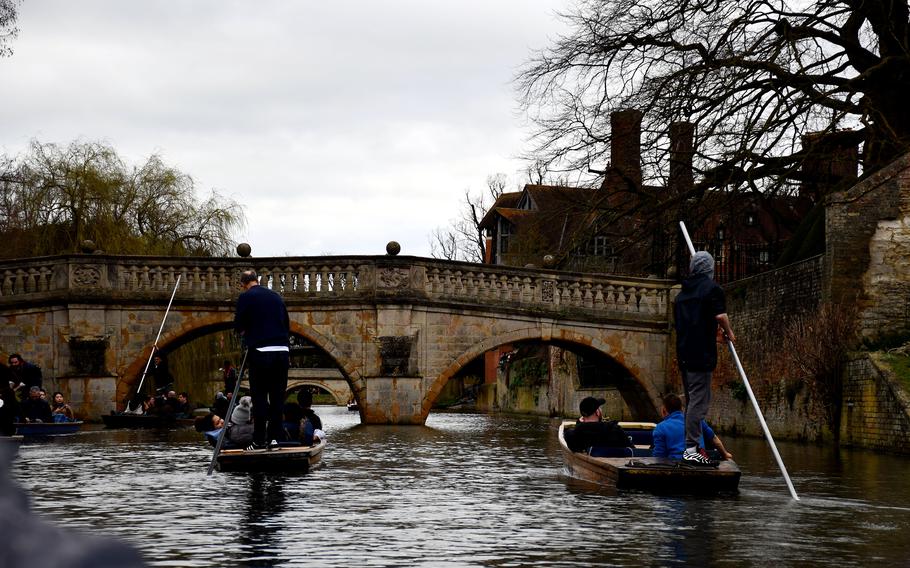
{"x":260,"y":527}
{"x":465,"y":490}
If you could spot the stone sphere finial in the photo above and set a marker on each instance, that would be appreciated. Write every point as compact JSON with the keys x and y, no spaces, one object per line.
{"x":244,"y":249}
{"x":548,"y":261}
{"x":88,"y":246}
{"x":393,"y":248}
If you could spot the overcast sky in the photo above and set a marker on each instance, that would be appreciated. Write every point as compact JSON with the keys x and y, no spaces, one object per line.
{"x":339,"y":126}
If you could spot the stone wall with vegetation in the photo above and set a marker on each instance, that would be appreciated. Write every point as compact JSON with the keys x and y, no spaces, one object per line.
{"x":762,"y":309}
{"x":876,"y":411}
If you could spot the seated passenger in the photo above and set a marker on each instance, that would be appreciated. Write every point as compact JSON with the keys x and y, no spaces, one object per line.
{"x":184,"y":408}
{"x":670,"y":434}
{"x":591,"y":431}
{"x":210,"y":425}
{"x":34,"y":409}
{"x":240,"y":424}
{"x":61,"y":411}
{"x":310,"y":424}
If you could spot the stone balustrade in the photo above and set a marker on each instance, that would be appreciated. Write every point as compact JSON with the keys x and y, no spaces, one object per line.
{"x":356,"y":278}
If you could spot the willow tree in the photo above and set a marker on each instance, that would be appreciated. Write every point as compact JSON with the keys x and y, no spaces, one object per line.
{"x":754,"y":76}
{"x":56,"y":197}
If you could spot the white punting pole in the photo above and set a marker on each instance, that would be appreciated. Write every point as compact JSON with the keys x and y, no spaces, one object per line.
{"x":742,"y":374}
{"x":157,"y":337}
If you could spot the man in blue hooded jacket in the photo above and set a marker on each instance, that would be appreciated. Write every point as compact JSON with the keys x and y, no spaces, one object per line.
{"x":701,"y":323}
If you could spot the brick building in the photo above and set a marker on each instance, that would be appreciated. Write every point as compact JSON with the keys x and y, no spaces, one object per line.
{"x":627,"y":227}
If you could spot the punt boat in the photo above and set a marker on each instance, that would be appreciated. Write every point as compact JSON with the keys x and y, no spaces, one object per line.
{"x":141,"y":421}
{"x":287,"y":458}
{"x":47,"y":429}
{"x":636,"y":470}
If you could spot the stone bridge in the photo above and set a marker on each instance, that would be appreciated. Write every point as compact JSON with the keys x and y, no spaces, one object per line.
{"x":397,"y":327}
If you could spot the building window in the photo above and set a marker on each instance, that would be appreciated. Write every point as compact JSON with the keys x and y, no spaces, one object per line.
{"x":720,"y":233}
{"x":601,"y":247}
{"x":750,"y":219}
{"x":505,"y":234}
{"x":763,"y":257}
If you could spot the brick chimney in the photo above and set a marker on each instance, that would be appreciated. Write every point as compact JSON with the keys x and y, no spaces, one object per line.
{"x":625,"y":148}
{"x":832,"y":163}
{"x":681,"y":152}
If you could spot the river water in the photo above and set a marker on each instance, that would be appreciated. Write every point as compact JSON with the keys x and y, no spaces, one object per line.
{"x":464,"y":490}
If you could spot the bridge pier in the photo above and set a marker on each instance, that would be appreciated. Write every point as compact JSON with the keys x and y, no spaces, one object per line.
{"x":393,"y":400}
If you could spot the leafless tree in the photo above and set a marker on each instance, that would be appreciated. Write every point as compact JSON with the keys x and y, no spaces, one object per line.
{"x":754,"y":76}
{"x":53,"y":198}
{"x":8,"y":29}
{"x":815,"y":346}
{"x":463,"y":239}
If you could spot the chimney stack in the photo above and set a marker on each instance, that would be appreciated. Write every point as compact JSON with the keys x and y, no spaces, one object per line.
{"x":625,"y":148}
{"x":681,"y":153}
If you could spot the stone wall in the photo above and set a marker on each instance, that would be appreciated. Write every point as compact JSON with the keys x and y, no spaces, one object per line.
{"x":876,"y":413}
{"x":760,"y":308}
{"x":867,"y":244}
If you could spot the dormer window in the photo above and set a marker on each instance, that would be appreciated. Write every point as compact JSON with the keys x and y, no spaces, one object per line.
{"x":750,"y":219}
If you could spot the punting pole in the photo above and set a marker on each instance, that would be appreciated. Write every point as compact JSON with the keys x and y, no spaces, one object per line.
{"x":157,"y":337}
{"x":230,"y":409}
{"x":742,"y":374}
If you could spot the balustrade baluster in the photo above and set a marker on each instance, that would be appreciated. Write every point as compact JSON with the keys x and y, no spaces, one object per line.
{"x":527,"y":291}
{"x":44,"y":280}
{"x":599,"y":297}
{"x":482,"y":286}
{"x":588,"y":296}
{"x":610,"y":299}
{"x":30,"y":283}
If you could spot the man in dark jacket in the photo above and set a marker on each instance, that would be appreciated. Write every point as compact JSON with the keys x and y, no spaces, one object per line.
{"x":36,"y":409}
{"x":701,"y":323}
{"x":592,"y":431}
{"x":262,"y":320}
{"x":25,"y":374}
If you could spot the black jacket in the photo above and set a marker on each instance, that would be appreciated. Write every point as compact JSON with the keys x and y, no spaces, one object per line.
{"x":602,"y":434}
{"x":262,"y":318}
{"x":700,"y":301}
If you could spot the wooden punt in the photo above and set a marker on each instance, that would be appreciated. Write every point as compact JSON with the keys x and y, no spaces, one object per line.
{"x":142,"y":421}
{"x":285,"y":459}
{"x":663,"y":475}
{"x":47,"y":429}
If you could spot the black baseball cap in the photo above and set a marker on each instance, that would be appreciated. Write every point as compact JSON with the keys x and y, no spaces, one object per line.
{"x":589,"y":405}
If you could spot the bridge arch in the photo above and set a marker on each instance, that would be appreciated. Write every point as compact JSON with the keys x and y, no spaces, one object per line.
{"x":561,"y":339}
{"x":192,"y":328}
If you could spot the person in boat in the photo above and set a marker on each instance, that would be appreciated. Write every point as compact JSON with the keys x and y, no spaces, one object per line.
{"x":60,"y":410}
{"x":184,"y":408}
{"x":592,"y":431}
{"x":240,"y":424}
{"x":701,"y":322}
{"x":210,"y":425}
{"x":239,"y":428}
{"x":26,"y":375}
{"x":263,"y":322}
{"x":229,"y":374}
{"x":9,"y":404}
{"x":670,"y":434}
{"x":221,"y":403}
{"x":161,"y":375}
{"x":34,"y":409}
{"x":310,"y":425}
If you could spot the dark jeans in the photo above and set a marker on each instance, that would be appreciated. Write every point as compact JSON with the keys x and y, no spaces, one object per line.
{"x":268,"y":386}
{"x":698,"y":399}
